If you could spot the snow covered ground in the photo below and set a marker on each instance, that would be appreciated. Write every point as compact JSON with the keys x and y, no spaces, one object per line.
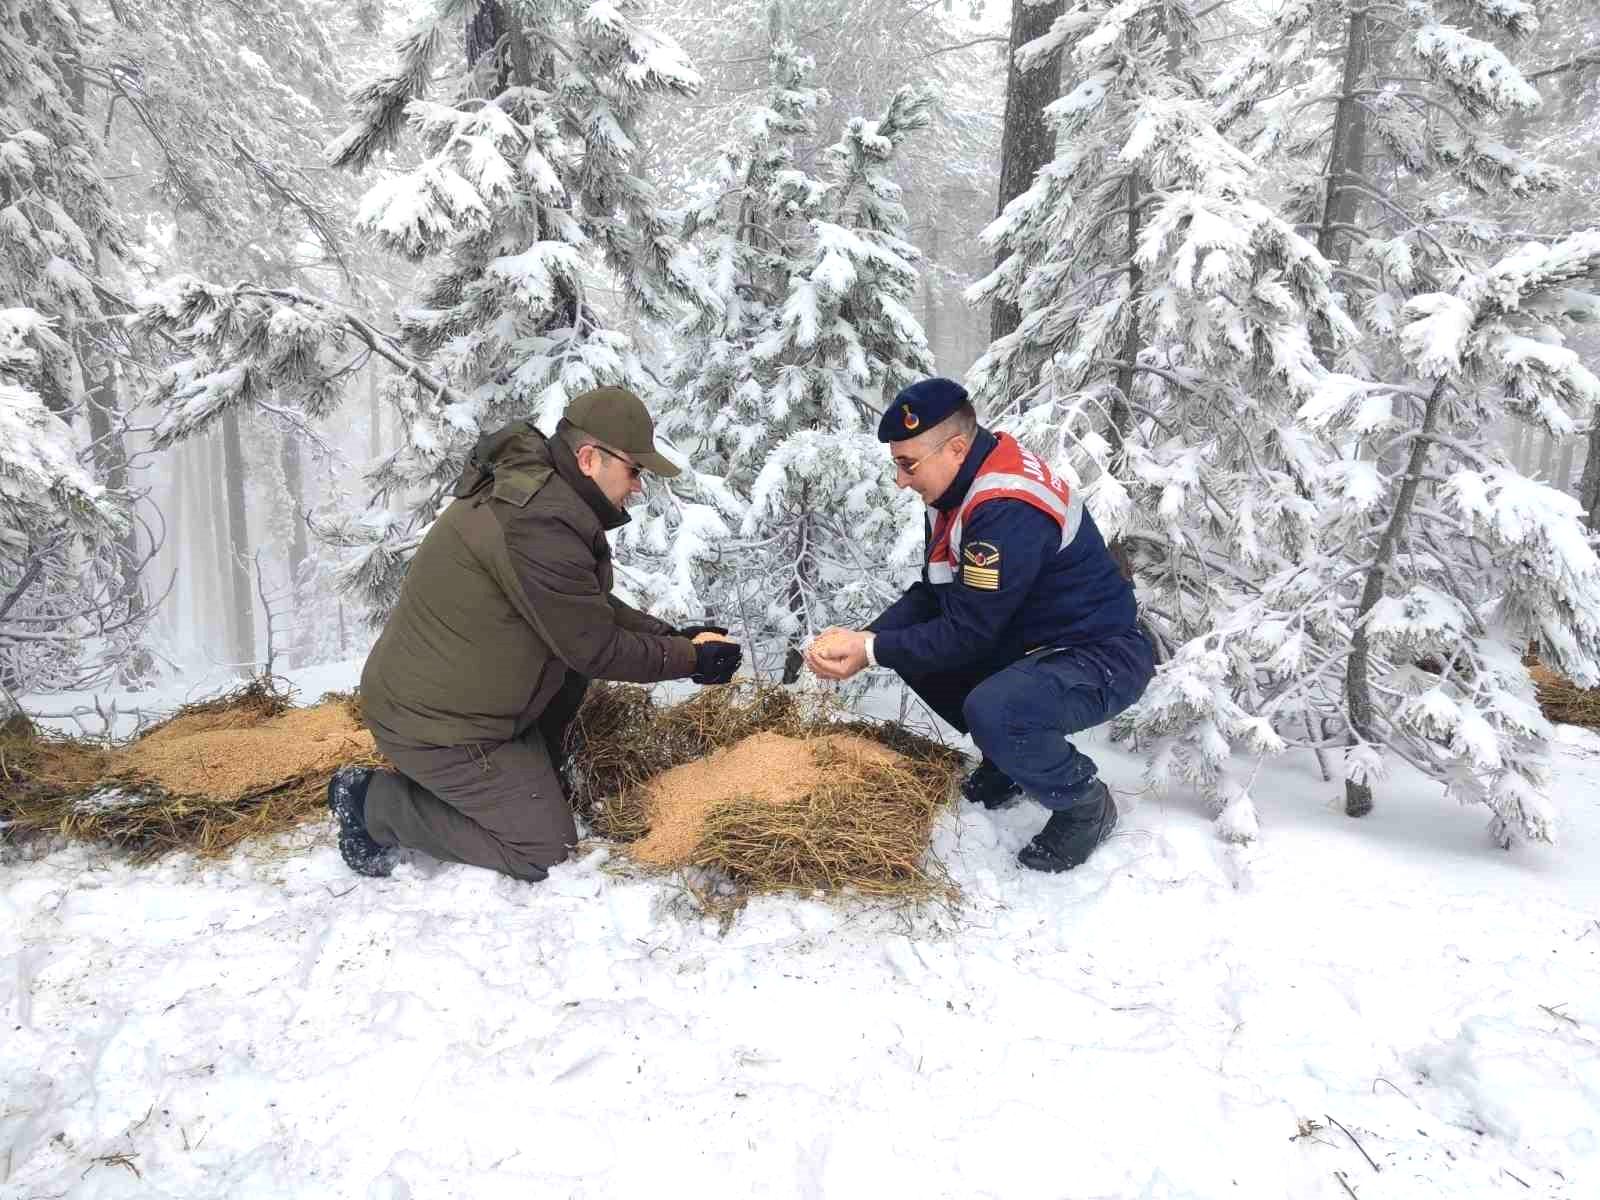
{"x":1155,"y":1024}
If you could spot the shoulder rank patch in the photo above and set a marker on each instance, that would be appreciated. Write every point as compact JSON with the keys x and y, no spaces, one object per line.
{"x":980,"y":566}
{"x":519,"y":486}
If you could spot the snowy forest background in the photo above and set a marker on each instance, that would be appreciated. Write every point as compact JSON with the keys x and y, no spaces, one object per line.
{"x":1301,"y":294}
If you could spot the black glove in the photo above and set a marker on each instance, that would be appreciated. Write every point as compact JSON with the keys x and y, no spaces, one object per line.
{"x":694,"y":631}
{"x":715,"y":662}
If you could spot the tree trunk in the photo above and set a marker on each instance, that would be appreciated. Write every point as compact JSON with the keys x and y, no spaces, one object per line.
{"x":1358,"y":795}
{"x":1519,"y":447}
{"x":294,"y":484}
{"x":294,"y":488}
{"x":175,"y":524}
{"x":1346,"y":158}
{"x":930,"y":298}
{"x":494,"y":24}
{"x":1589,"y":486}
{"x":238,"y":543}
{"x":59,"y":399}
{"x":795,"y":589}
{"x":1133,"y":339}
{"x":111,"y":452}
{"x":374,"y":415}
{"x":1026,"y":142}
{"x":100,"y":383}
{"x":216,"y":495}
{"x":1132,"y":343}
{"x":187,"y":537}
{"x":1563,"y":479}
{"x":111,"y":466}
{"x":191,"y":551}
{"x":1547,"y":457}
{"x":484,"y":28}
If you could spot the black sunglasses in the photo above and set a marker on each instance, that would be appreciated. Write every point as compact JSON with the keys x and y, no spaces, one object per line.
{"x":634,"y":469}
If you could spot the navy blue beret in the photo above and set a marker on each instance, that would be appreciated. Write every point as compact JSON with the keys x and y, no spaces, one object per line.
{"x":920,"y":407}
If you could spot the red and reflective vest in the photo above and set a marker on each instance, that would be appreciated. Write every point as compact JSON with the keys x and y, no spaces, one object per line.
{"x":1010,"y":472}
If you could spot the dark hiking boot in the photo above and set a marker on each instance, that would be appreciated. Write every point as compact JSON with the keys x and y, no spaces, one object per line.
{"x":991,"y":787}
{"x":347,"y":800}
{"x":1068,"y":838}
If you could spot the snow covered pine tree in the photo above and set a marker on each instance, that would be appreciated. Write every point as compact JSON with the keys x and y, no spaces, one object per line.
{"x":67,"y":611}
{"x":1431,"y":543}
{"x":780,"y":385}
{"x":1472,"y":562}
{"x":1166,"y":350}
{"x":1165,"y":343}
{"x":528,"y":201}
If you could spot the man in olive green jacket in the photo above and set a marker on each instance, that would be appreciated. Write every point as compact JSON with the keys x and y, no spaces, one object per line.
{"x":505,"y":616}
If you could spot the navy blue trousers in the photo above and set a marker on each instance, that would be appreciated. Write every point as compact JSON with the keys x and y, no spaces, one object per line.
{"x":1023,"y":715}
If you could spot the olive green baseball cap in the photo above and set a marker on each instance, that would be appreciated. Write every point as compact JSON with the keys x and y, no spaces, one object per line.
{"x":618,"y":418}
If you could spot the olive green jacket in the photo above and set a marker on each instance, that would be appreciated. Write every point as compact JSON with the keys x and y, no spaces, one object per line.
{"x":509,"y":590}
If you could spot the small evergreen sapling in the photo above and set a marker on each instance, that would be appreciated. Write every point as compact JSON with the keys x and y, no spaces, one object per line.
{"x":780,"y":384}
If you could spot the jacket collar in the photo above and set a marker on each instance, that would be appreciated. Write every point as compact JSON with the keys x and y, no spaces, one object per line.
{"x":566,"y":464}
{"x":520,"y":445}
{"x":983,"y":445}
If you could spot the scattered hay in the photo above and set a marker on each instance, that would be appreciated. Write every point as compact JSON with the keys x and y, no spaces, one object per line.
{"x":248,"y":704}
{"x":1563,"y":701}
{"x":216,"y":773}
{"x":863,"y":826}
{"x":765,"y":769}
{"x":746,"y":780}
{"x":37,"y":765}
{"x":229,"y":762}
{"x":786,"y":798}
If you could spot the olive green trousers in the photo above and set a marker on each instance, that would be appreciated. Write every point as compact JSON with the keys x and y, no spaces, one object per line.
{"x":499,"y":806}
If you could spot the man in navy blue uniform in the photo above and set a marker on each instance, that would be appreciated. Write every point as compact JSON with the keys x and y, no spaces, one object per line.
{"x":1021,"y":631}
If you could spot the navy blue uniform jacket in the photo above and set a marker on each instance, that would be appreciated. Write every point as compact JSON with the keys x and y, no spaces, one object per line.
{"x":1047,"y":594}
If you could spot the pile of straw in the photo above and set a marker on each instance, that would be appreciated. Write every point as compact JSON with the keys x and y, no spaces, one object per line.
{"x":860,"y":821}
{"x":1563,"y":701}
{"x":216,"y":773}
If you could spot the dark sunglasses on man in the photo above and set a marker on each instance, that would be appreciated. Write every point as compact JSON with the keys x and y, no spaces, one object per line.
{"x":634,"y":469}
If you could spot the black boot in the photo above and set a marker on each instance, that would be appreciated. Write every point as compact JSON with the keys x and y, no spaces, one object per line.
{"x":347,"y":800}
{"x":991,"y":787}
{"x":1068,"y":838}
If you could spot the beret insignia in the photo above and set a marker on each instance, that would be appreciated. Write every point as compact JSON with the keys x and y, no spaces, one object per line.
{"x":921,"y":405}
